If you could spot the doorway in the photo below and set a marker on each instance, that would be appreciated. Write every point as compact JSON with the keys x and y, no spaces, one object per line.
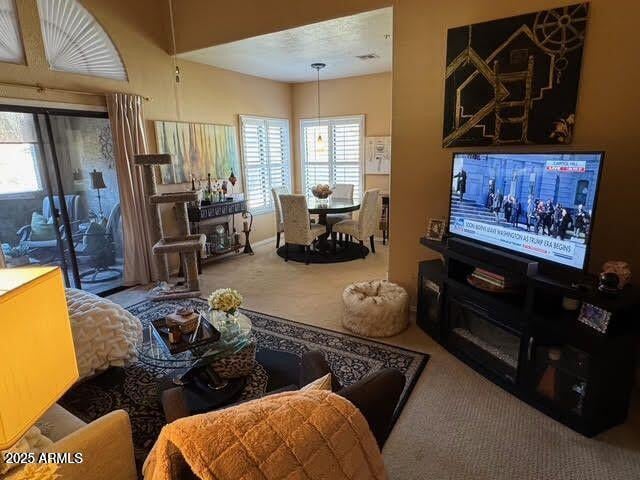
{"x":59,"y":197}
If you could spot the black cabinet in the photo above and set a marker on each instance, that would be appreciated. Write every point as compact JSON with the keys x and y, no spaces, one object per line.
{"x":573,"y":360}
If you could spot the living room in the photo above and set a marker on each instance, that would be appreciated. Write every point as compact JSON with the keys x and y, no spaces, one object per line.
{"x":449,"y":419}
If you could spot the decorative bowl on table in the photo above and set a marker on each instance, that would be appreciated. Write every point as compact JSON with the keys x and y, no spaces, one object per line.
{"x":321,"y":191}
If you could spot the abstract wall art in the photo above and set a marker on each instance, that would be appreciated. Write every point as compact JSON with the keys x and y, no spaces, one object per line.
{"x":515,"y":80}
{"x":198,"y":149}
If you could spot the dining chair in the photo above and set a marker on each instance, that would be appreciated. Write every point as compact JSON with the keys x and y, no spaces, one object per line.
{"x":365,"y":226}
{"x":277,"y":206}
{"x":297,"y":228}
{"x":341,"y":190}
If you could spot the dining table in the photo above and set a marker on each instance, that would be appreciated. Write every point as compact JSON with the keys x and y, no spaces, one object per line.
{"x":324,"y":251}
{"x":329,"y":206}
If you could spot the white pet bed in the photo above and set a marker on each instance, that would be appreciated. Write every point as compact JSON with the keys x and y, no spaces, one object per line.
{"x":375,"y":309}
{"x":104,"y":333}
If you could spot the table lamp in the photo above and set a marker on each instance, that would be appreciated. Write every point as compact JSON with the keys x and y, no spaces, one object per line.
{"x":37,"y":356}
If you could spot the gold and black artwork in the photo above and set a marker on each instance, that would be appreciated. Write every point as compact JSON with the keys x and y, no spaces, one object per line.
{"x":514,"y":81}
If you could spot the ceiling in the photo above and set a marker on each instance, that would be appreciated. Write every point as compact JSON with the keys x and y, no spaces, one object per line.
{"x":286,"y":56}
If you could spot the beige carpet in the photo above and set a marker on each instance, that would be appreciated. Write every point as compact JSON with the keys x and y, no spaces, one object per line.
{"x":456,"y":425}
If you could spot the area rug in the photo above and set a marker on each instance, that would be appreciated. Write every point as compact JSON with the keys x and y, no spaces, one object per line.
{"x":137,"y":387}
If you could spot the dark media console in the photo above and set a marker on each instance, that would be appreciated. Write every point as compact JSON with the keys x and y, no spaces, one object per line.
{"x":555,"y":342}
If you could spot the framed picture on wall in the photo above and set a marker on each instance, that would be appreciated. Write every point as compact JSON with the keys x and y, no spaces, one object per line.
{"x":198,"y":149}
{"x":514,"y":81}
{"x":377,"y":155}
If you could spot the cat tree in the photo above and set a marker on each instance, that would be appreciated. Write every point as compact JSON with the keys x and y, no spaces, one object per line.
{"x":184,"y":243}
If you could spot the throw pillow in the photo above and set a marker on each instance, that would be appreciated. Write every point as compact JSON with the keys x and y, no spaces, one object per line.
{"x":32,"y":441}
{"x":41,"y":230}
{"x":322,"y":383}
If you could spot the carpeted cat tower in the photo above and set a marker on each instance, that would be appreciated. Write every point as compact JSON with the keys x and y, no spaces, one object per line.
{"x":184,"y":244}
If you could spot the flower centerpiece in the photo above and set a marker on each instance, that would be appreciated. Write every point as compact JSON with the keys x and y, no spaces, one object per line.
{"x":224,"y":301}
{"x":321,"y":191}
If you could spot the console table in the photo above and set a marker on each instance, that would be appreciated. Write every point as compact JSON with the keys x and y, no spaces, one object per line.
{"x":202,"y":218}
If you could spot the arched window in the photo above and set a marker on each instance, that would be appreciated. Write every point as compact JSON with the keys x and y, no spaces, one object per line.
{"x":10,"y":42}
{"x":75,"y":42}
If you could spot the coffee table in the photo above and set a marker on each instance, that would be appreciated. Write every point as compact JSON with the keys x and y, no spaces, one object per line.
{"x":200,"y":385}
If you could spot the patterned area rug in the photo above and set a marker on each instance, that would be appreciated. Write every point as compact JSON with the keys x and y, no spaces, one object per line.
{"x":137,"y":387}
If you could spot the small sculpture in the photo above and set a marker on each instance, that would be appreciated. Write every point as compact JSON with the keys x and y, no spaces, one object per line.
{"x":621,"y":269}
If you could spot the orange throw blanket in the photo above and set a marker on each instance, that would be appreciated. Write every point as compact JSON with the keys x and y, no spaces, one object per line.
{"x":309,"y":435}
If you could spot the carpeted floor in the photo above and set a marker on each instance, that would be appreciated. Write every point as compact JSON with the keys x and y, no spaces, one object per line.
{"x":456,"y":425}
{"x":136,"y":388}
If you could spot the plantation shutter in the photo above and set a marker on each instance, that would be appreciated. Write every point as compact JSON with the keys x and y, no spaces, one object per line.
{"x":341,"y":159}
{"x":265,"y":152}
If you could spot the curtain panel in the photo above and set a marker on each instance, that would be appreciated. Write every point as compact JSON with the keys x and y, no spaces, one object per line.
{"x":129,"y":139}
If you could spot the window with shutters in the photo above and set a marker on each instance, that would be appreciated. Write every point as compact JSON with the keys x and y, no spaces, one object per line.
{"x":266,"y":159}
{"x":338,"y":158}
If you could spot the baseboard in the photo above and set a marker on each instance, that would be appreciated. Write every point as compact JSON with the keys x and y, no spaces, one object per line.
{"x":264,"y":241}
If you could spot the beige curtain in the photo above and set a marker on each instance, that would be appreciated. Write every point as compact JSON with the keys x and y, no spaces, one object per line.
{"x":127,"y":126}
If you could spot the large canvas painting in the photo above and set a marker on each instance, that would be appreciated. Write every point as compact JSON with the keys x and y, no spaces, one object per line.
{"x":198,"y":149}
{"x":515,"y":80}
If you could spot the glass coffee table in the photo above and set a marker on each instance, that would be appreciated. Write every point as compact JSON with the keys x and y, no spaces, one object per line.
{"x":192,"y":369}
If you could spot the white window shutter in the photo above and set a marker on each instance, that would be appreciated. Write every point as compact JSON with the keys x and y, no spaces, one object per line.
{"x":341,"y":161}
{"x":266,"y":156}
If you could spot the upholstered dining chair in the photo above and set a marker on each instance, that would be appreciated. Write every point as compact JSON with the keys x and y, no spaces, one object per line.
{"x":297,"y":228}
{"x":341,"y":190}
{"x":366,"y":224}
{"x":277,"y":206}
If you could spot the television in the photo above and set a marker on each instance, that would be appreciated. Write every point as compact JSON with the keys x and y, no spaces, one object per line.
{"x":541,"y":205}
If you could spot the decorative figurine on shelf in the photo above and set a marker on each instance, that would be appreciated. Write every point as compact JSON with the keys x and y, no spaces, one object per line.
{"x":232,"y":180}
{"x":224,"y":187}
{"x":619,"y":268}
{"x":547,"y":385}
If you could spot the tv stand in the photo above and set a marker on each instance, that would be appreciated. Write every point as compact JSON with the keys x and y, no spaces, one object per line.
{"x":529,"y":339}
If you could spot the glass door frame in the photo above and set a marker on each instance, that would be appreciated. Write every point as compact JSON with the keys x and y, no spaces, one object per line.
{"x":46,"y":113}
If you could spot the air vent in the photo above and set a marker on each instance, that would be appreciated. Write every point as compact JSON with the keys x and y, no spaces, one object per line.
{"x":368,"y":56}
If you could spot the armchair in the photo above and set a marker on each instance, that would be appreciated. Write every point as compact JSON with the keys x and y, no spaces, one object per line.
{"x":106,"y":445}
{"x":98,"y":244}
{"x":47,"y":250}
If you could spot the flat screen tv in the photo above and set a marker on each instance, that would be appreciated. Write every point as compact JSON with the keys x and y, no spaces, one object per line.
{"x":541,"y":205}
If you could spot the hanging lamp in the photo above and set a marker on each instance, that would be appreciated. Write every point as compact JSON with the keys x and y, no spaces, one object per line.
{"x":321,"y":145}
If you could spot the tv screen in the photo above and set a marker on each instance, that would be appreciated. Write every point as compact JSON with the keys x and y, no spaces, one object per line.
{"x":539,"y":204}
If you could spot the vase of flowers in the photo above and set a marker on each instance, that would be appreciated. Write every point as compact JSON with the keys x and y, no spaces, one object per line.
{"x":223,"y":307}
{"x":322,"y":192}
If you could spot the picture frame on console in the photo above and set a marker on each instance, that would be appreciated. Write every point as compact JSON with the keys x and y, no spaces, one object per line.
{"x":436,"y":229}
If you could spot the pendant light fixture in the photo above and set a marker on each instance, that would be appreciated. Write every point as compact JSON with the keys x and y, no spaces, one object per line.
{"x":321,"y":144}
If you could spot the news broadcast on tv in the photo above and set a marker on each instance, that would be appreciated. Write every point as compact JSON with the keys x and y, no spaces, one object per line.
{"x":541,"y":205}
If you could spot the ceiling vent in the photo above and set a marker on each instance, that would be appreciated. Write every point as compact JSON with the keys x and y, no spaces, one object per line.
{"x":368,"y":56}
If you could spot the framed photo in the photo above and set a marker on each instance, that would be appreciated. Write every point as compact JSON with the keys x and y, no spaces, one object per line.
{"x":595,"y":317}
{"x":436,"y":229}
{"x":377,"y":155}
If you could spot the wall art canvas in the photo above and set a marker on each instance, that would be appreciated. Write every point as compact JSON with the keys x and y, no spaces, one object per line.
{"x":378,"y":155}
{"x":514,"y":81}
{"x":198,"y":149}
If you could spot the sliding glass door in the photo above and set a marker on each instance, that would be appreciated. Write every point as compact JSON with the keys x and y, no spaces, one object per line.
{"x":59,"y":198}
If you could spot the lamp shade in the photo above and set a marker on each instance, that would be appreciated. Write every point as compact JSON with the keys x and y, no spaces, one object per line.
{"x":37,"y":356}
{"x":97,"y":181}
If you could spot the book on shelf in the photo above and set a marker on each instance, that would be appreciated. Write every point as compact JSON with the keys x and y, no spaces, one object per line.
{"x":491,"y":278}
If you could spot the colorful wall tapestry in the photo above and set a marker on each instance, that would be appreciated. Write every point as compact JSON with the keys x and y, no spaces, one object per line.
{"x":198,"y":149}
{"x":515,"y":80}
